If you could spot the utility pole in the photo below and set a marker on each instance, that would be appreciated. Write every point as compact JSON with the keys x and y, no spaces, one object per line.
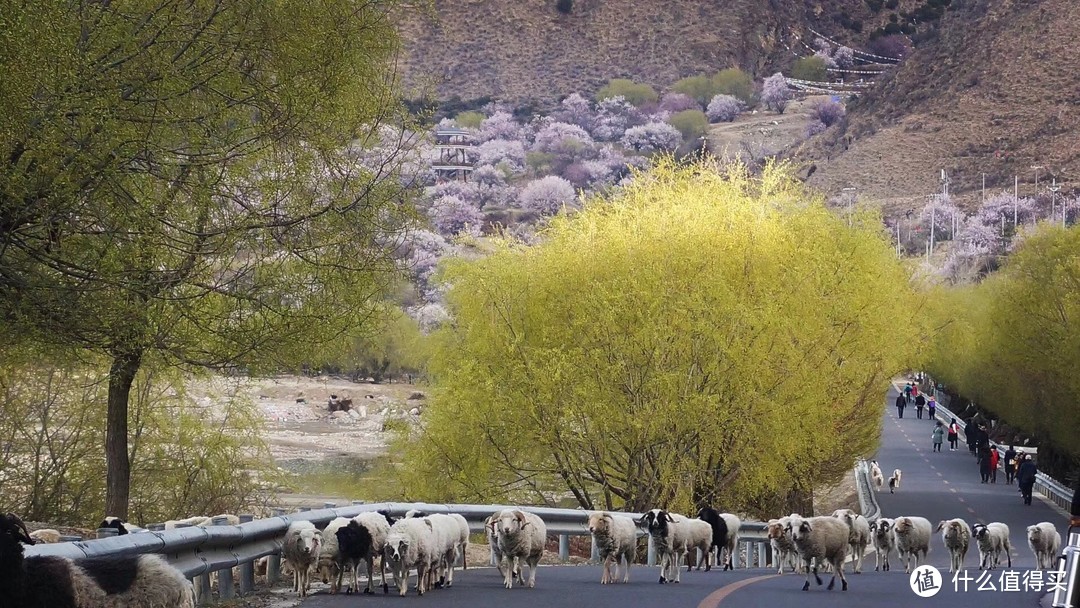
{"x":898,"y":238}
{"x":1036,"y":168}
{"x":1016,"y":197}
{"x":1053,"y":198}
{"x":984,"y":188}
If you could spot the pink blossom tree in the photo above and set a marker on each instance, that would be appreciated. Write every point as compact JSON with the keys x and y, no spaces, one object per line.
{"x":677,"y":102}
{"x":500,"y":125}
{"x":827,"y":111}
{"x":775,"y":94}
{"x":509,"y":154}
{"x":452,"y":216}
{"x":724,"y":108}
{"x":844,"y":57}
{"x":547,"y":195}
{"x":652,"y":137}
{"x":576,"y":110}
{"x":614,"y":116}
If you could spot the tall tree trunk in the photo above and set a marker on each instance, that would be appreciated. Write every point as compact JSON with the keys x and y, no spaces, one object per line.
{"x":118,"y":465}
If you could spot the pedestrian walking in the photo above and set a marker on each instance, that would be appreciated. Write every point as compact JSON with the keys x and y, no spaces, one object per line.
{"x":938,"y":435}
{"x":900,"y":403}
{"x":993,"y":464}
{"x":969,"y":436}
{"x":1025,"y":477}
{"x":982,"y":437}
{"x":1010,"y":464}
{"x":931,"y":408}
{"x":914,"y":391}
{"x":954,"y":435}
{"x":907,"y":392}
{"x":920,"y":403}
{"x":984,"y":464}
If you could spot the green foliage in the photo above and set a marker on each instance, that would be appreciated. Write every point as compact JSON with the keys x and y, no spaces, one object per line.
{"x":691,"y":123}
{"x":391,"y":346}
{"x":186,"y":187}
{"x":693,"y":339}
{"x":1011,"y":343}
{"x":470,"y":119}
{"x":186,"y":459}
{"x":634,"y":92}
{"x":734,"y":82}
{"x":540,"y":163}
{"x":809,"y":68}
{"x":564,"y":6}
{"x":700,"y":87}
{"x":731,"y":81}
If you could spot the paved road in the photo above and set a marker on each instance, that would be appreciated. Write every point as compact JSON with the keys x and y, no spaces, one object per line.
{"x":935,"y":486}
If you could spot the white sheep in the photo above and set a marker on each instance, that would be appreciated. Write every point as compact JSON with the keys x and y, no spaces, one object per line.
{"x":820,"y":540}
{"x":463,"y":539}
{"x":912,"y":538}
{"x":122,"y":527}
{"x":992,"y":539}
{"x":409,"y":544}
{"x":881,"y":534}
{"x":956,"y":535}
{"x":875,"y":475}
{"x":783,"y":548}
{"x":446,"y":538}
{"x":230,"y":520}
{"x":1044,"y":541}
{"x":300,"y":549}
{"x":45,"y":536}
{"x":693,"y":538}
{"x":521,"y":538}
{"x":616,"y":541}
{"x":493,"y":544}
{"x":104,"y":582}
{"x":331,"y":564}
{"x":858,"y":535}
{"x":197,"y":521}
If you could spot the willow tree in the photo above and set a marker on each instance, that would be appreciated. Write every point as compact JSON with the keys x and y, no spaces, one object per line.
{"x":194,"y":181}
{"x":698,"y":337}
{"x":1011,"y":343}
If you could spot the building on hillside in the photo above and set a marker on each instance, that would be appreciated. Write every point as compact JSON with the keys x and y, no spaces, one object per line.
{"x":453,"y":146}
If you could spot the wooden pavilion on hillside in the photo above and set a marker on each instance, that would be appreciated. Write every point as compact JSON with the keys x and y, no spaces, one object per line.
{"x":453,"y":146}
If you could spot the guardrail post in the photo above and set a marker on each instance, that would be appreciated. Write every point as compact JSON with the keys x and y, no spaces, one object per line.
{"x":359,"y":502}
{"x":273,"y":561}
{"x":304,"y":509}
{"x":329,"y":505}
{"x":761,"y":557}
{"x":651,"y":553}
{"x":106,"y":532}
{"x":564,"y":547}
{"x":203,"y":597}
{"x":595,"y":554}
{"x":247,"y":569}
{"x":226,"y":588}
{"x":156,"y":527}
{"x":70,"y":539}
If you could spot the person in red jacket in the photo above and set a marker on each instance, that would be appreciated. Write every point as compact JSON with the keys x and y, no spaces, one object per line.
{"x":993,"y":464}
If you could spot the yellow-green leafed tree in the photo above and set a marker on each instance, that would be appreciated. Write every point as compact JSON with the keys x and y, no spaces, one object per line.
{"x":702,"y":336}
{"x":1011,"y":343}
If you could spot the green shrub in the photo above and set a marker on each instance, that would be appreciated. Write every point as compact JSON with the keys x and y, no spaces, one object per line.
{"x":691,"y":123}
{"x":702,"y":88}
{"x":469,"y":119}
{"x":809,"y":68}
{"x":635,"y":93}
{"x":734,"y":82}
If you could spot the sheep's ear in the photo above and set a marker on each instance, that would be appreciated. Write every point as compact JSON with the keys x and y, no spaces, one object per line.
{"x":428,"y":522}
{"x":941,"y":524}
{"x":806,"y":527}
{"x":668,"y":517}
{"x":609,"y":517}
{"x":873,"y":527}
{"x":518,"y":515}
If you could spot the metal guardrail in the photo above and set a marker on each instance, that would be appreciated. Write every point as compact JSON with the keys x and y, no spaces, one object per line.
{"x":197,"y":552}
{"x":868,"y":503}
{"x":1055,"y":491}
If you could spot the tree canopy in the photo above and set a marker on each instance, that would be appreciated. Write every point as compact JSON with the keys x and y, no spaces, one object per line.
{"x":1011,"y":342}
{"x":700,"y":336}
{"x":206,"y":181}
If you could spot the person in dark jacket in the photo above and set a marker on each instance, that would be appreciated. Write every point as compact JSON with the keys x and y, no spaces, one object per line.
{"x":931,"y":408}
{"x":1010,"y":464}
{"x":954,"y":435}
{"x":920,"y":403}
{"x":984,"y":463}
{"x":982,"y":437}
{"x":1025,"y":476}
{"x":969,"y":436}
{"x":900,"y":403}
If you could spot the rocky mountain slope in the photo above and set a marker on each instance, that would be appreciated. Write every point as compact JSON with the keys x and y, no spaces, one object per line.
{"x":994,"y":92}
{"x":522,"y":50}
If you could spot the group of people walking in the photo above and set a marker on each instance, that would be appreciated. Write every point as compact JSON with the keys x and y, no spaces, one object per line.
{"x":911,"y":395}
{"x":1017,"y":466}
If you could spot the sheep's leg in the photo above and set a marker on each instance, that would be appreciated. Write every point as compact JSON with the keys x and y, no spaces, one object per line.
{"x":808,"y":570}
{"x":508,"y":576}
{"x":403,"y":582}
{"x":626,"y":568}
{"x":663,"y":568}
{"x":533,"y":562}
{"x":422,"y":575}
